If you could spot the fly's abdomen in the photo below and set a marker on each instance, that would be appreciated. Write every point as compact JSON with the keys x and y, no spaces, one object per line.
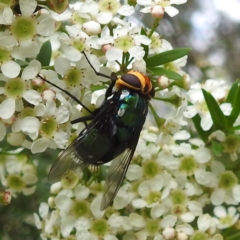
{"x":94,"y":146}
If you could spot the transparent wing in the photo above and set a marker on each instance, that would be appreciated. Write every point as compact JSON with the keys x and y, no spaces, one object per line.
{"x":69,"y":159}
{"x":116,"y":174}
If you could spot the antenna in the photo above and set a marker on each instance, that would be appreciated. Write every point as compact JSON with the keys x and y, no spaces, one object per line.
{"x":66,"y":92}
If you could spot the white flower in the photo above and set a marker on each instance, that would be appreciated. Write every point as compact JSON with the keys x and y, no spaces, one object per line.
{"x":166,"y":4}
{"x":217,"y":89}
{"x":225,"y":218}
{"x":206,"y":222}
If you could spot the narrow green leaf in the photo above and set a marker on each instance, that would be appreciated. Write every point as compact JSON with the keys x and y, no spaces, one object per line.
{"x":159,"y":121}
{"x":44,"y":56}
{"x":166,"y":57}
{"x":219,"y":120}
{"x":165,"y":72}
{"x":234,"y":99}
{"x":197,"y":123}
{"x":232,"y":93}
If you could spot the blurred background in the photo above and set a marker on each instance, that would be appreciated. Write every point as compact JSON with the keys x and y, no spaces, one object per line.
{"x":211,"y":29}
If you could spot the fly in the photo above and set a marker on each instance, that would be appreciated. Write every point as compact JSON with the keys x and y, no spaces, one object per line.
{"x":112,"y":133}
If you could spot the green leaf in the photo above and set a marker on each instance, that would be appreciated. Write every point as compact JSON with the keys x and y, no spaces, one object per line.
{"x":234,"y":99}
{"x":166,"y":57}
{"x":145,"y":47}
{"x":219,"y":120}
{"x":165,"y":72}
{"x":44,"y":56}
{"x":159,"y":121}
{"x":232,"y":93}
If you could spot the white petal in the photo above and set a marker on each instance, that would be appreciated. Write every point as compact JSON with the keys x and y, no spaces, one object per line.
{"x":141,"y":39}
{"x":81,"y":192}
{"x":136,"y":220}
{"x":202,"y":155}
{"x":63,"y":202}
{"x":39,"y":109}
{"x":92,"y":27}
{"x":29,"y":72}
{"x":37,"y":221}
{"x":206,"y":121}
{"x":137,"y":52}
{"x":181,"y":135}
{"x":168,"y":221}
{"x":171,"y":11}
{"x":40,"y":145}
{"x":72,"y":54}
{"x":3,"y":131}
{"x":226,"y":108}
{"x":217,"y":196}
{"x":30,"y":190}
{"x":67,"y":225}
{"x":30,"y":178}
{"x":97,"y":213}
{"x":10,"y":69}
{"x":157,"y":211}
{"x":139,"y":203}
{"x":178,"y":1}
{"x":32,"y":97}
{"x":27,"y":7}
{"x":190,"y":111}
{"x":236,"y":192}
{"x":30,"y":124}
{"x":6,"y":17}
{"x":144,"y":2}
{"x":46,"y":25}
{"x":134,"y":172}
{"x":7,"y":108}
{"x":29,"y":48}
{"x":113,"y":54}
{"x":62,"y":65}
{"x":61,"y":139}
{"x":187,"y":217}
{"x":62,"y":115}
{"x":203,"y":177}
{"x":220,"y":211}
{"x":43,"y":210}
{"x":145,"y":10}
{"x":126,"y":10}
{"x":204,"y":222}
{"x":195,"y":208}
{"x":104,"y":17}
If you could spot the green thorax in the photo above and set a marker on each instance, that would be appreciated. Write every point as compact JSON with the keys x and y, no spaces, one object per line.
{"x":132,"y":113}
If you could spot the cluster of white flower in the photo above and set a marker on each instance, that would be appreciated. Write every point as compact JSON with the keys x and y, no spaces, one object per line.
{"x":172,"y":179}
{"x":166,"y":190}
{"x":16,"y":175}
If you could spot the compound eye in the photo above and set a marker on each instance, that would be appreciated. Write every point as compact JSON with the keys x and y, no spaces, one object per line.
{"x":131,"y":80}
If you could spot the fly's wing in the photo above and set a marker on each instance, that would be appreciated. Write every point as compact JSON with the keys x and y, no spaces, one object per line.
{"x":69,"y":159}
{"x":116,"y":174}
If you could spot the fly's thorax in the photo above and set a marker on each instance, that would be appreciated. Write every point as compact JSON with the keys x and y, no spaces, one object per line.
{"x":132,"y":110}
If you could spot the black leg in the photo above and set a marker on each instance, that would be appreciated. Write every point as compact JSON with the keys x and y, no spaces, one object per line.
{"x":83,"y":119}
